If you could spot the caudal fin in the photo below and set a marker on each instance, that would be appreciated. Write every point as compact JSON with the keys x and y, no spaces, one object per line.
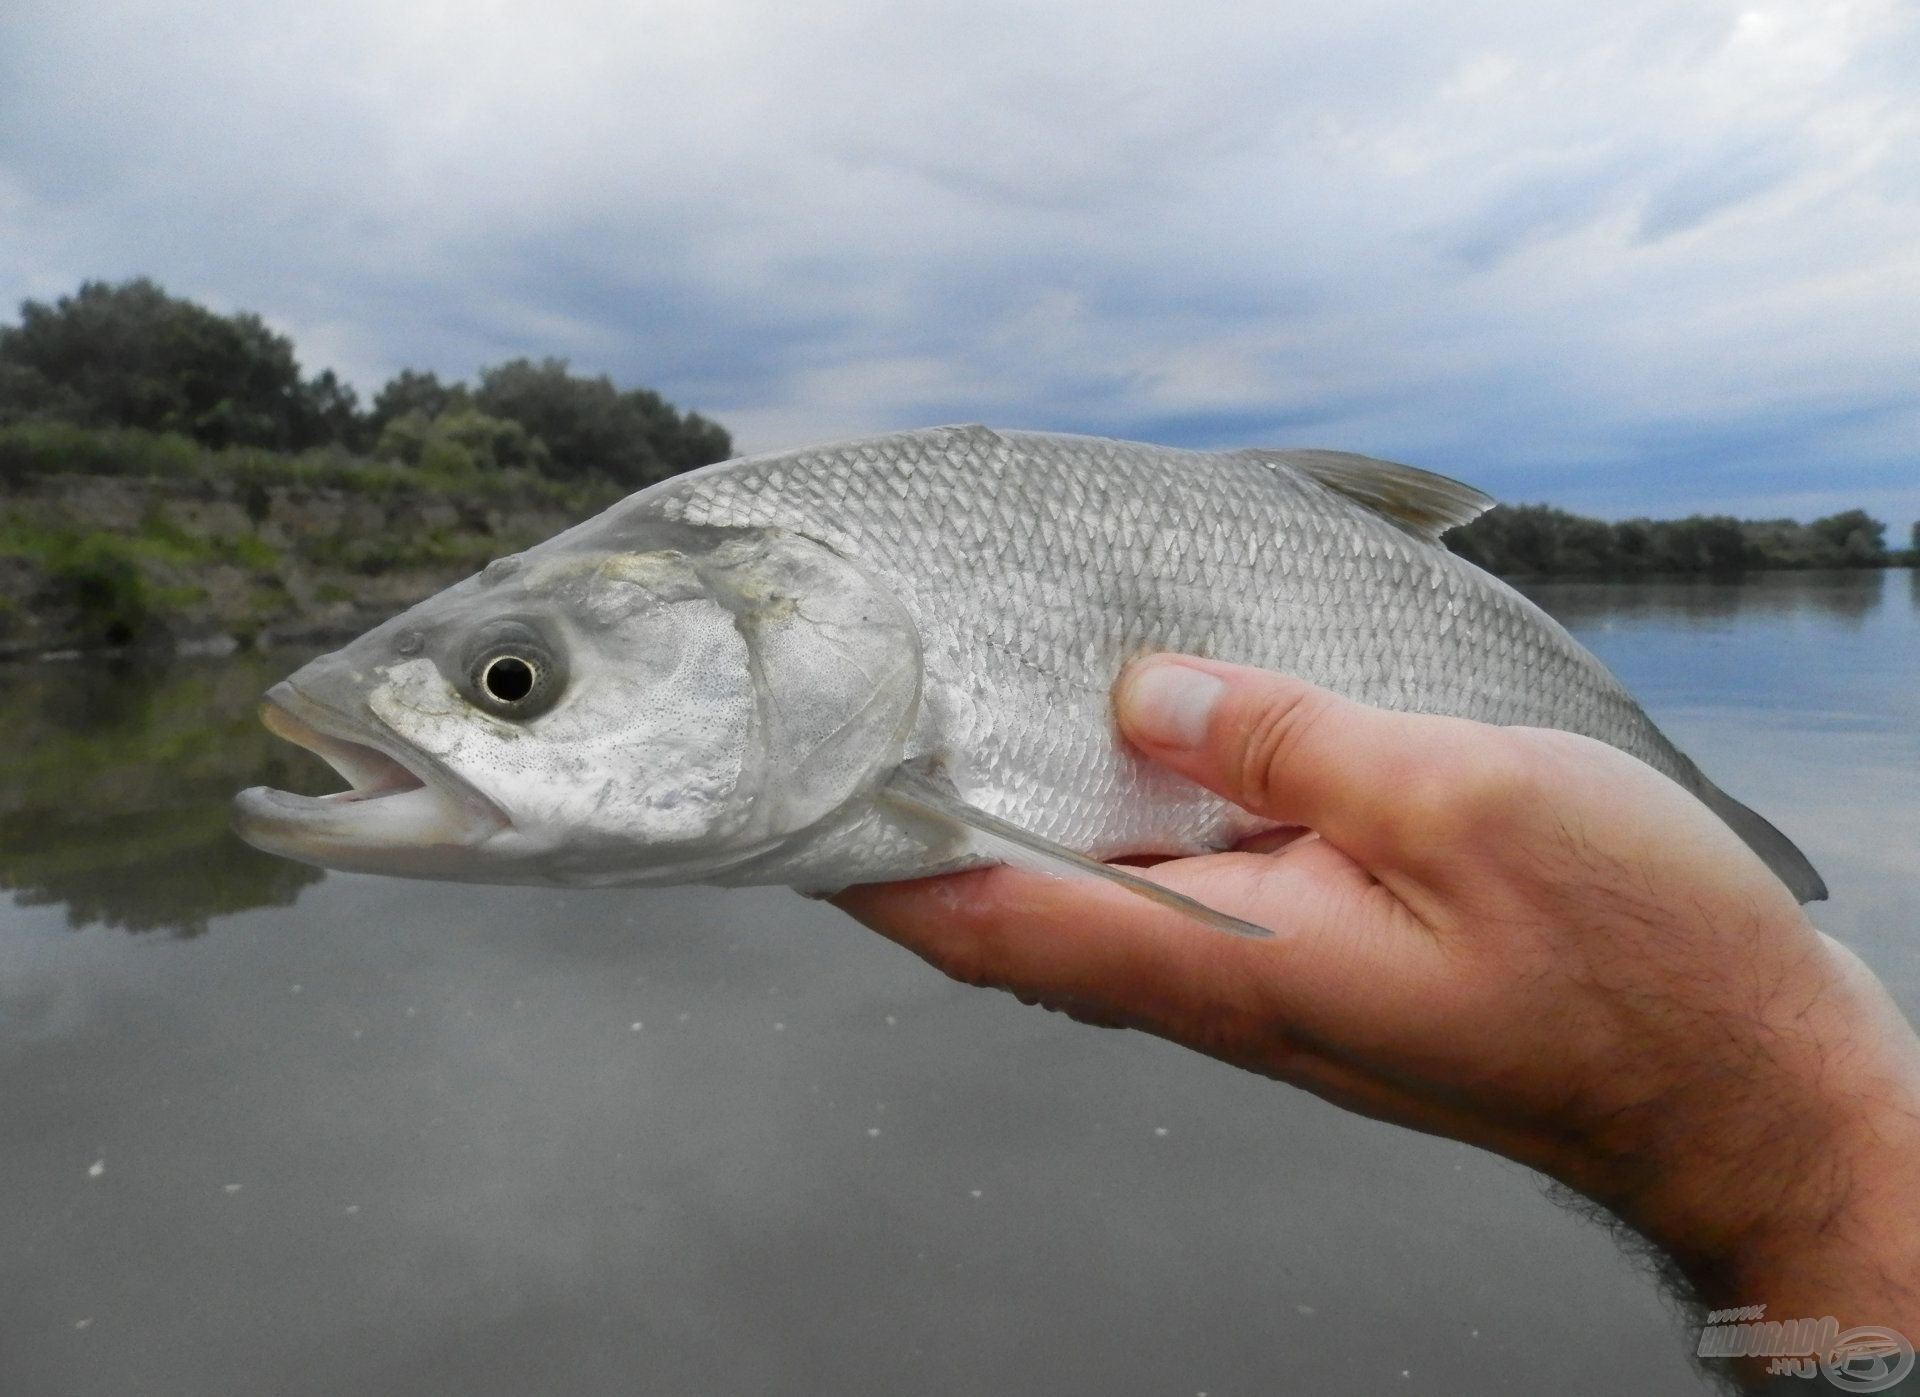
{"x":1775,"y":848}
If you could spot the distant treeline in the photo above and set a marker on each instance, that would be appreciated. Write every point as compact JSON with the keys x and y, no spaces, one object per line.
{"x":1536,"y":539}
{"x":127,"y":380}
{"x":129,"y":356}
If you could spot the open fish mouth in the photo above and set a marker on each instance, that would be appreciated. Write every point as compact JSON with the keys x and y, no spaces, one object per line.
{"x":371,"y":773}
{"x":399,"y":813}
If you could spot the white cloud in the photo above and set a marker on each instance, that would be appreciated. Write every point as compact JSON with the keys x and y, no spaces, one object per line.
{"x":1623,"y":254}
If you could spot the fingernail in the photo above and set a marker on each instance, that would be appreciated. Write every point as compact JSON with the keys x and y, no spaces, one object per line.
{"x":1167,"y":704}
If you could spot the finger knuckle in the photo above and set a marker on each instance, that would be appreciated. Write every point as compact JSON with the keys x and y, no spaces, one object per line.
{"x":1490,"y":781}
{"x":1271,"y":744}
{"x":968,"y":962}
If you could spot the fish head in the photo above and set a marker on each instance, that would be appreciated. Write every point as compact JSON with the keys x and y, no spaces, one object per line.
{"x":656,"y":706}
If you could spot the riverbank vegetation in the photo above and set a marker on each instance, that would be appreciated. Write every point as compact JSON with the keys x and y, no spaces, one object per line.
{"x":172,"y":476}
{"x":1539,"y":540}
{"x":112,"y":358}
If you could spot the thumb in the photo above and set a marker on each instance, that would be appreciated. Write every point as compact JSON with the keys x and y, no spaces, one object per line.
{"x":1288,"y":750}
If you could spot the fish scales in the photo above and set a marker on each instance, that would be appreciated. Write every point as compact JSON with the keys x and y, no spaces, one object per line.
{"x":1031,"y":618}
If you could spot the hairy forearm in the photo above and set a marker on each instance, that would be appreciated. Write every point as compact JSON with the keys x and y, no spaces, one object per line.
{"x":1846,"y":1244}
{"x":1804,"y":1196}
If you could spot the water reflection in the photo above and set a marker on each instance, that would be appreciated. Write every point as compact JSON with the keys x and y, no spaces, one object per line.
{"x":1849,"y":597}
{"x":114,"y":787}
{"x":115,"y":779}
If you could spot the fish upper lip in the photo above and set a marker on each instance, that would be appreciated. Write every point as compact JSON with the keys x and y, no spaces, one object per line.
{"x":369,"y":772}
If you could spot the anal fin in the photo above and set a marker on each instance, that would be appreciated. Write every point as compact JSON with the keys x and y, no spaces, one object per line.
{"x":991,"y":835}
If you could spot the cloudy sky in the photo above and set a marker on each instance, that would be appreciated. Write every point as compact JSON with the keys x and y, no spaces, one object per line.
{"x":1625,"y":257}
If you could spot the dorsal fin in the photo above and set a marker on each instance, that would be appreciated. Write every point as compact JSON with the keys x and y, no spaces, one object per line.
{"x":1421,"y":502}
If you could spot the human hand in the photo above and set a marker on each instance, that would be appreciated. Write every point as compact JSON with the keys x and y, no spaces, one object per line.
{"x":1516,"y":937}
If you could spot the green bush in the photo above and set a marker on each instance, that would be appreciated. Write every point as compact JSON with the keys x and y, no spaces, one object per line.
{"x":30,"y":449}
{"x":460,"y":443}
{"x":1538,"y":539}
{"x":128,"y":355}
{"x":100,"y":575}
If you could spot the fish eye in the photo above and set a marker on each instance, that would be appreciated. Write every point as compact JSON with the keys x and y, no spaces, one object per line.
{"x":509,"y":678}
{"x":513,"y":673}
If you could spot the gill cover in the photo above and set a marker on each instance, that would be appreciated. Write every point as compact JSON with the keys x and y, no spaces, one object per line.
{"x":730,"y":690}
{"x":833,"y":661}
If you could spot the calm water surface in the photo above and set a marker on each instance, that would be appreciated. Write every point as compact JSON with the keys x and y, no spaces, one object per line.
{"x":273,"y":1131}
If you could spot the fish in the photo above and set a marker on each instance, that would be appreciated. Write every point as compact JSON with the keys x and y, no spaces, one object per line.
{"x":893,"y":657}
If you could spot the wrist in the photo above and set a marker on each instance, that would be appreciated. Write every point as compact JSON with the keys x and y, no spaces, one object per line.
{"x":1802,"y":1192}
{"x":1840,"y":1237}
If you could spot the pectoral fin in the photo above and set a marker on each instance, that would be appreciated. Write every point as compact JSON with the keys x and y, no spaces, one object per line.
{"x":993,"y":836}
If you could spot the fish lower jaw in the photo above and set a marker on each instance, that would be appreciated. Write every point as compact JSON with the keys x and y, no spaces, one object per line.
{"x":417,"y":831}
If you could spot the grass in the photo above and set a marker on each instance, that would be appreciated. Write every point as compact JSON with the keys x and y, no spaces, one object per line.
{"x":36,"y":449}
{"x":160,"y":541}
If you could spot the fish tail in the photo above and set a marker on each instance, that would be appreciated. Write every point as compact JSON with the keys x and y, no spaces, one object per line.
{"x":1778,"y":852}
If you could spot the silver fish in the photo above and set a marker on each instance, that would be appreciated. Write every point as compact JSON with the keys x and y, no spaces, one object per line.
{"x":893,"y":657}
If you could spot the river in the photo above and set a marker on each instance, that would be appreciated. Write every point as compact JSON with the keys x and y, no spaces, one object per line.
{"x":268,"y":1130}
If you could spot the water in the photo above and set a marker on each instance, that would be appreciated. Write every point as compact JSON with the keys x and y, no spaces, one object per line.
{"x":267,"y":1130}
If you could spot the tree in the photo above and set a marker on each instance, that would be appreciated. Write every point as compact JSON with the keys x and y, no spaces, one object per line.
{"x":587,"y":429}
{"x":459,"y":442}
{"x":26,"y":396}
{"x":130,"y":355}
{"x":412,"y":392}
{"x":133,"y":356}
{"x":330,"y":412}
{"x":591,"y":428}
{"x":1856,"y":537}
{"x":1536,"y":538}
